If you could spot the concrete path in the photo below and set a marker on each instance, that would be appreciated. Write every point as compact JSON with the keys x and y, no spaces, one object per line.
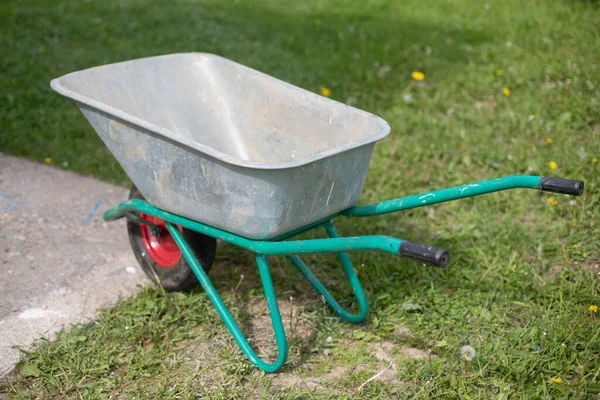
{"x":59,"y":261}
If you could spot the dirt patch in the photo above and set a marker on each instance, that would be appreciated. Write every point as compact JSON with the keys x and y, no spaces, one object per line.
{"x":389,"y":375}
{"x":382,"y":351}
{"x":391,"y":353}
{"x":412,"y":352}
{"x":322,"y":384}
{"x":203,"y":354}
{"x":320,"y":373}
{"x":385,"y":369}
{"x":299,"y":331}
{"x":329,"y":382}
{"x":489,"y":105}
{"x":401,"y":331}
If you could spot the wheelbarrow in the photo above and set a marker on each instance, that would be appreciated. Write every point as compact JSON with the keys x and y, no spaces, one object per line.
{"x":219,"y":151}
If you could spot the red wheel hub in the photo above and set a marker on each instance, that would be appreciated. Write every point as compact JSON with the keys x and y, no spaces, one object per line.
{"x":161,"y":248}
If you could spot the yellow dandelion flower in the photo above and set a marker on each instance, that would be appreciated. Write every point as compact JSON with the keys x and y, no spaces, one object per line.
{"x":576,"y":245}
{"x":593,"y":308}
{"x":498,"y":72}
{"x":552,"y":165}
{"x":556,"y":379}
{"x":552,"y":201}
{"x":48,"y":160}
{"x":418,"y":76}
{"x":595,"y":160}
{"x":506,"y":91}
{"x":325,"y":92}
{"x":548,"y":140}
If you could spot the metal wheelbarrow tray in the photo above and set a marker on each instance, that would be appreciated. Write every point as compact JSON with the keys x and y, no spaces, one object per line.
{"x":217,"y":150}
{"x":214,"y":141}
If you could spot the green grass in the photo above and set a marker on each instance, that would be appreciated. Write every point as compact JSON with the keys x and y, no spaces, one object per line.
{"x":524,"y":271}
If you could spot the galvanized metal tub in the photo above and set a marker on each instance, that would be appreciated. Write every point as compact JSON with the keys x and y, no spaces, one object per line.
{"x":220,"y":143}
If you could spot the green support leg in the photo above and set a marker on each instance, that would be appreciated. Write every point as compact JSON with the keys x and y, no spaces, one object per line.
{"x":352,"y":278}
{"x":265,"y":275}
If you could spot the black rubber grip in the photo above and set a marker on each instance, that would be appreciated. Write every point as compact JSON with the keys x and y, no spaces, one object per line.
{"x":560,"y":185}
{"x":426,"y":254}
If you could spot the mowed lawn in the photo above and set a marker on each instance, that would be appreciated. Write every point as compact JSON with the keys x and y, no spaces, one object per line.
{"x":509,"y":87}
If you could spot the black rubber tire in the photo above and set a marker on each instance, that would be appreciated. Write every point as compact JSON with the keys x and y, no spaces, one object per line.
{"x":180,"y":277}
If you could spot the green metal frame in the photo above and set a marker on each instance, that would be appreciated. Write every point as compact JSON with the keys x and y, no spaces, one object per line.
{"x":293,"y":248}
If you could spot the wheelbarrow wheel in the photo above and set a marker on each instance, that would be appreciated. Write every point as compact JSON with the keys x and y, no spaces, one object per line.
{"x":160,"y":257}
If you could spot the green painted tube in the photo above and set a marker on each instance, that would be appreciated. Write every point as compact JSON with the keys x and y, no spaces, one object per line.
{"x":359,"y":293}
{"x":386,"y":244}
{"x":443,"y":195}
{"x":213,"y":295}
{"x":331,"y":245}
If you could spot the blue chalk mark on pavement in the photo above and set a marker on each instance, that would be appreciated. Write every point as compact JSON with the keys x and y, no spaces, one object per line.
{"x":96,"y":207}
{"x":115,"y":272}
{"x":12,"y":205}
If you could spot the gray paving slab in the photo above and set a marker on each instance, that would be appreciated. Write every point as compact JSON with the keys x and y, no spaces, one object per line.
{"x":59,"y":261}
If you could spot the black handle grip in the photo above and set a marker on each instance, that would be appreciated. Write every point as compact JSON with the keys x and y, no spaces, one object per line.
{"x":560,"y":185}
{"x":426,"y":254}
